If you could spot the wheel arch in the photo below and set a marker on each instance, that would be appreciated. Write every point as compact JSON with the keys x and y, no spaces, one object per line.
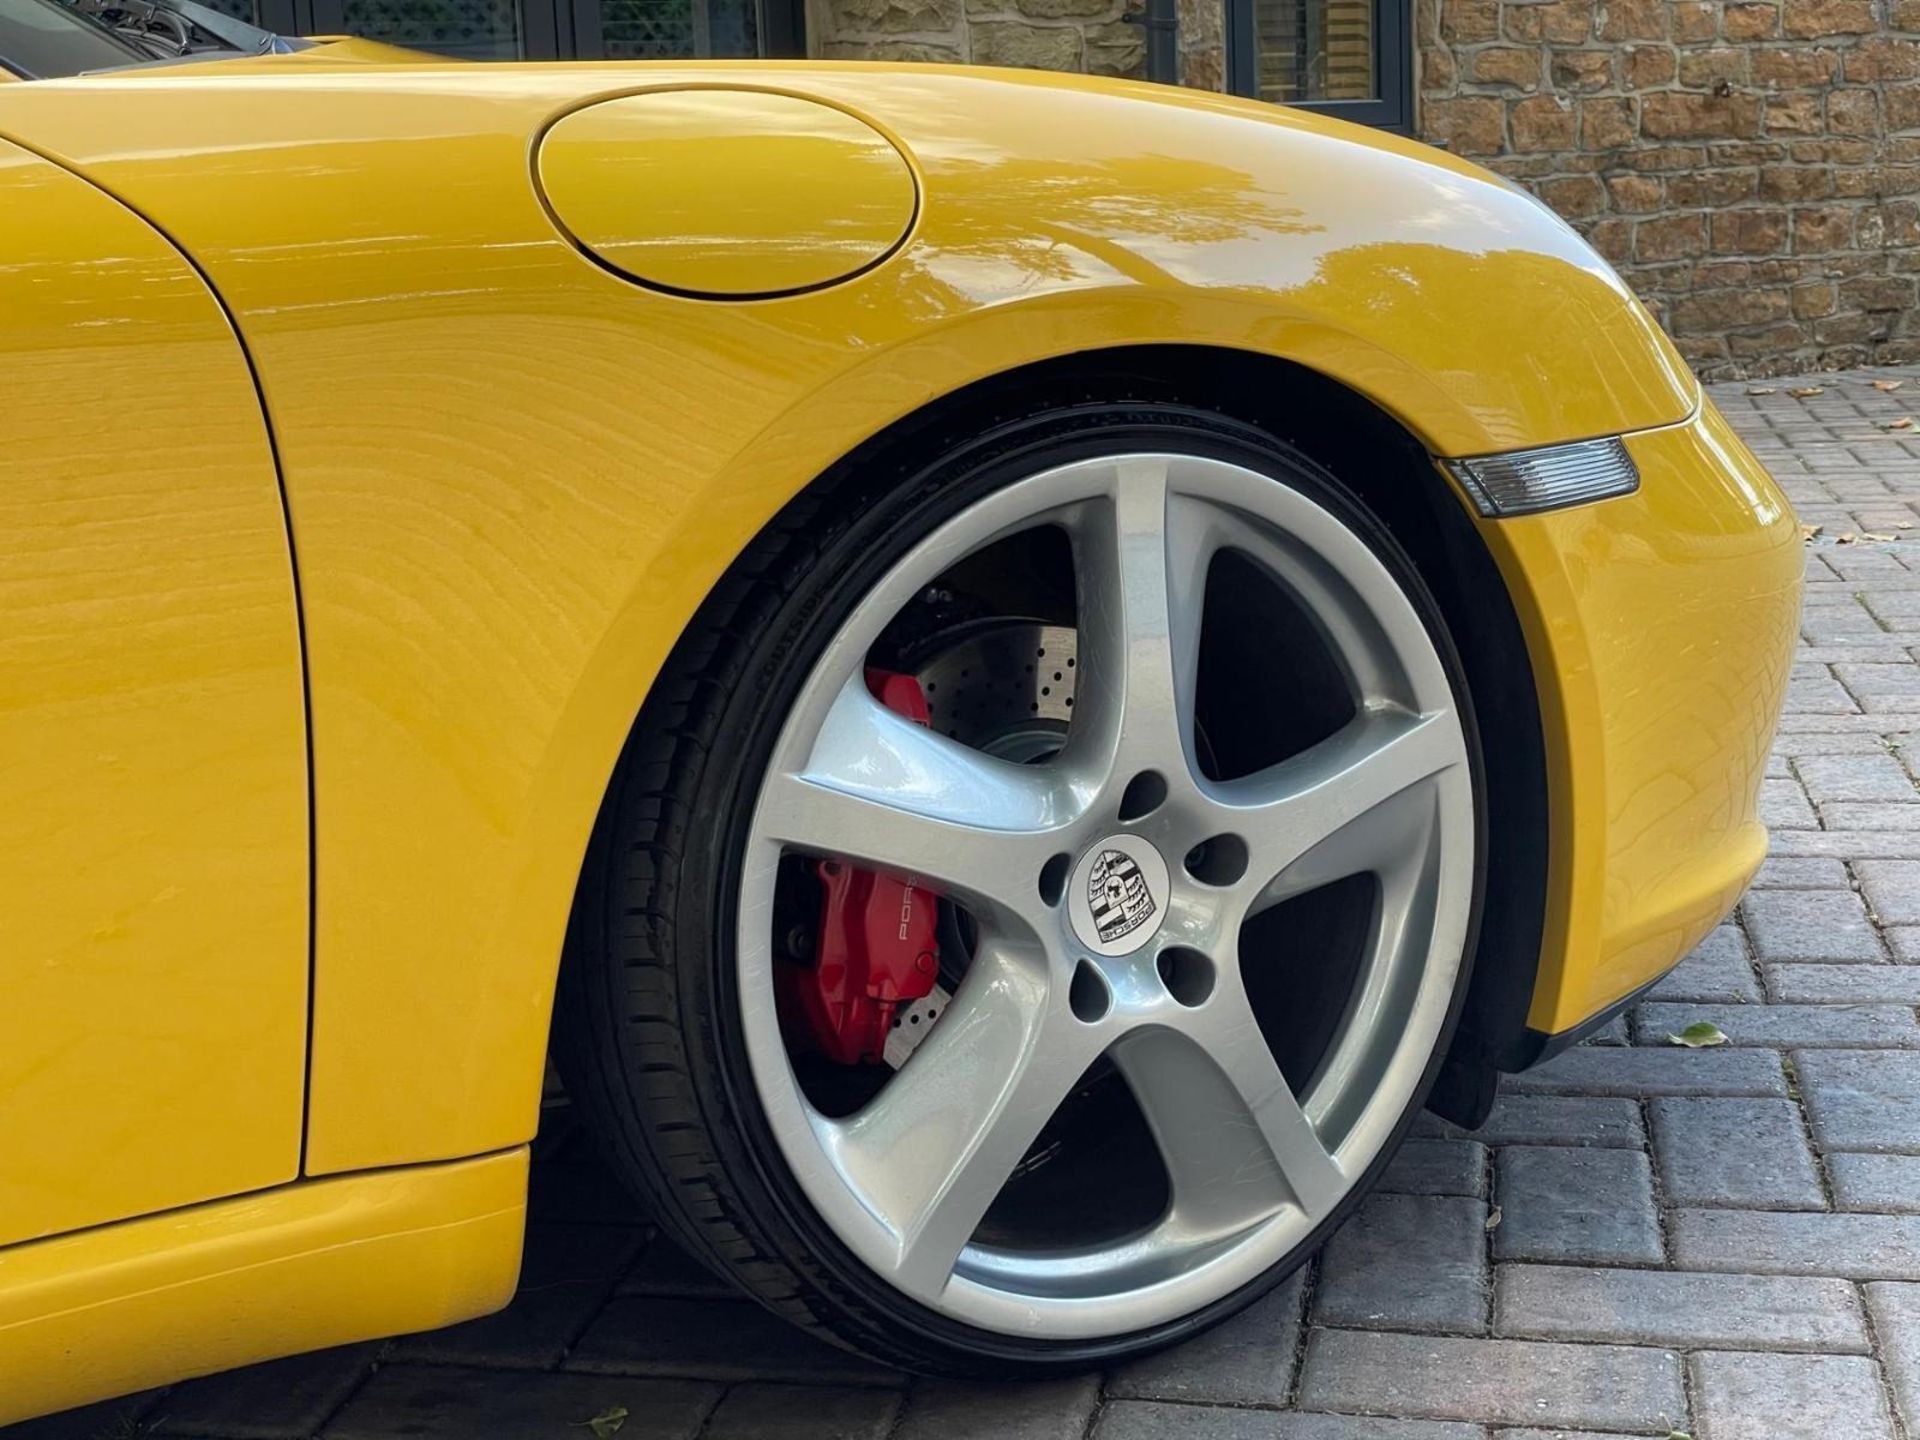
{"x":1392,"y":472}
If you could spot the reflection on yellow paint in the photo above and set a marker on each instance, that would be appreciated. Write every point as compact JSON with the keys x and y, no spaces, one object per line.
{"x":153,"y":865}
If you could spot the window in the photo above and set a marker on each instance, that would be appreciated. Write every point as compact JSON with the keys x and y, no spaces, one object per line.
{"x":43,"y":40}
{"x":464,"y":29}
{"x":669,"y":29}
{"x":1346,"y":57}
{"x":548,"y":29}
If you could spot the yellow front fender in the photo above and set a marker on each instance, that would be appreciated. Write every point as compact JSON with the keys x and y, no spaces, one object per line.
{"x":514,"y":475}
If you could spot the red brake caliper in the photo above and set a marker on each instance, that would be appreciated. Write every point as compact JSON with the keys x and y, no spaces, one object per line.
{"x":876,"y":949}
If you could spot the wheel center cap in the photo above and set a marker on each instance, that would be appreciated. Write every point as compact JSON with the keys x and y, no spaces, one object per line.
{"x":1117,"y":895}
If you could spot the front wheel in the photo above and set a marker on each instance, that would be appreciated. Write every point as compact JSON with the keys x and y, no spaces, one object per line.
{"x":1037,"y":894}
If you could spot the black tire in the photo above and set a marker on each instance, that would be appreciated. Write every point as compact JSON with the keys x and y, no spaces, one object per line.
{"x":647,"y":1025}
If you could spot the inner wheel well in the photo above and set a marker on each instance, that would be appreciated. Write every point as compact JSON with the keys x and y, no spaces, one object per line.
{"x":1392,"y":473}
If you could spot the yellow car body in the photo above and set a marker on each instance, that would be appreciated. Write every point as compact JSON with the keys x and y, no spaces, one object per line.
{"x":351,"y":507}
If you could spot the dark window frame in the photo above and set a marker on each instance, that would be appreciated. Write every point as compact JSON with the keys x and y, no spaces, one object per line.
{"x":1391,"y":109}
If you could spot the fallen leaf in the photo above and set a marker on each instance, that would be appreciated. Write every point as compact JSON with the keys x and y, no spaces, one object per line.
{"x":1807,"y":392}
{"x":1845,"y":537}
{"x":1494,"y":1218}
{"x":1762,"y":389}
{"x":1903,"y":524}
{"x":1700,"y":1035}
{"x":1678,"y":1435}
{"x":1807,"y":532}
{"x":1877,"y":535}
{"x":1888,"y":385}
{"x":1905,"y":422}
{"x":606,"y":1424}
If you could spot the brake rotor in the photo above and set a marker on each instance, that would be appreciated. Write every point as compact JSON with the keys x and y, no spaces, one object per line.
{"x":1003,"y":686}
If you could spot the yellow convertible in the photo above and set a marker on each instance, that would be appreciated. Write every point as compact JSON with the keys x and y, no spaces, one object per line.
{"x":1038,"y":664}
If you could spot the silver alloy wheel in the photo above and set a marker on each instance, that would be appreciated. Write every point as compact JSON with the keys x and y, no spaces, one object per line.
{"x":904,"y":1182}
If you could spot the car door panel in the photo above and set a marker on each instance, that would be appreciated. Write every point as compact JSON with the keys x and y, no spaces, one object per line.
{"x":153,"y":787}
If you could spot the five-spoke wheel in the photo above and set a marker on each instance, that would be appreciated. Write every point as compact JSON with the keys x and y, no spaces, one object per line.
{"x":1195,"y":794}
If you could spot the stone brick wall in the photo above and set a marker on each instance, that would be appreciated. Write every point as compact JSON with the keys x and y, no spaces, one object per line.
{"x":1079,"y":35}
{"x":1751,"y":166}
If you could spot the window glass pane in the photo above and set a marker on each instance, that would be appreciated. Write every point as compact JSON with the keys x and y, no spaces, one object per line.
{"x":1315,"y":49}
{"x":47,"y":40}
{"x":669,"y":29}
{"x":471,"y":29}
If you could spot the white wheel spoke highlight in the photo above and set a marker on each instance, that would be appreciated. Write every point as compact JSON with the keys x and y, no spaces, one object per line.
{"x":1327,"y":813}
{"x":1141,"y":557}
{"x":931,"y":1153}
{"x":1236,"y":1143}
{"x":886,"y":793}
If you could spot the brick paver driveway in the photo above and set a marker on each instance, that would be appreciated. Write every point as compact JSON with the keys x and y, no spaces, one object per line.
{"x":1724,"y":1242}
